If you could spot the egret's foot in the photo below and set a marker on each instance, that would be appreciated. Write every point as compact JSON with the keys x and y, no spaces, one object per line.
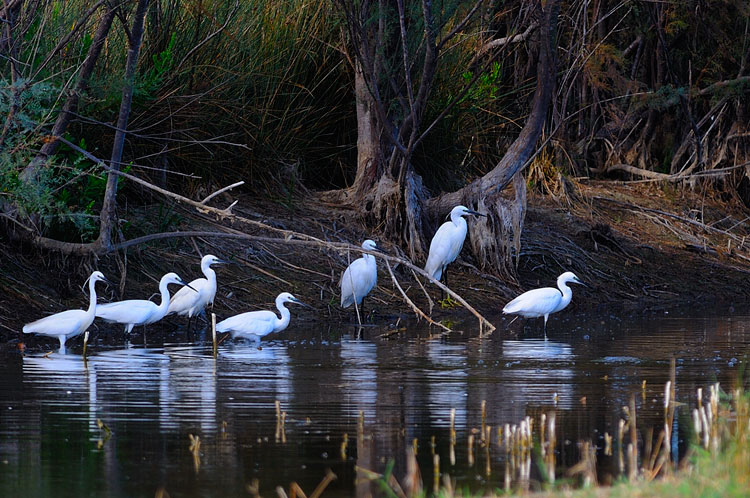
{"x":448,"y":302}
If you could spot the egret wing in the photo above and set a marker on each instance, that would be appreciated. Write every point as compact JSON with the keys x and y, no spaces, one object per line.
{"x":253,"y":322}
{"x":135,"y":311}
{"x":445,"y":247}
{"x":66,"y":322}
{"x":186,"y":298}
{"x":357,"y":281}
{"x":537,"y":302}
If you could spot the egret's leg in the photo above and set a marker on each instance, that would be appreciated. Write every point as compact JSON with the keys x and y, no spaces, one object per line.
{"x":545,"y":326}
{"x":444,"y":279}
{"x":62,"y":343}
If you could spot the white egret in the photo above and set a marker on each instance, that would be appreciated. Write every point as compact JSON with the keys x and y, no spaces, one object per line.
{"x":70,"y":323}
{"x":192,"y":303}
{"x":544,"y":301}
{"x":134,"y":312}
{"x":257,"y":324}
{"x":447,"y":242}
{"x":359,"y":278}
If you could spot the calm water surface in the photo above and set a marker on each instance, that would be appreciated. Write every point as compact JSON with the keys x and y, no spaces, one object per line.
{"x":153,"y":398}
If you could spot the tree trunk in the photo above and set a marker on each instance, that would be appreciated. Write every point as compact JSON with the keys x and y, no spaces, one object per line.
{"x":108,"y":216}
{"x":71,"y":103}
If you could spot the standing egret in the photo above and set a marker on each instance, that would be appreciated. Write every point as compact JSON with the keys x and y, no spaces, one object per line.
{"x":544,"y":301}
{"x":140,"y":311}
{"x":190,"y":303}
{"x":359,"y":278}
{"x":257,"y":324}
{"x":447,"y":242}
{"x":70,"y":323}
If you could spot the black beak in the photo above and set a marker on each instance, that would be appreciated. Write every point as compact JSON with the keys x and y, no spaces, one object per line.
{"x":107,"y":282}
{"x":297,"y":301}
{"x":475,"y":213}
{"x":221,"y":262}
{"x":182,"y":282}
{"x":576,"y":281}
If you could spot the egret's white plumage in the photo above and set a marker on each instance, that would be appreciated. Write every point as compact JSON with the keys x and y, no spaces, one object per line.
{"x":70,"y":323}
{"x":256,"y":324}
{"x":360,"y":277}
{"x":447,"y":242}
{"x":544,"y":301}
{"x":134,"y":312}
{"x":191,"y":303}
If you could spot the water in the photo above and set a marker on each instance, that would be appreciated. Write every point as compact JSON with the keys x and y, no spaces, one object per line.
{"x":153,"y":398}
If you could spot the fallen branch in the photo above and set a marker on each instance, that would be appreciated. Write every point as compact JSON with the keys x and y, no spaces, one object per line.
{"x":698,"y":224}
{"x":414,"y":307}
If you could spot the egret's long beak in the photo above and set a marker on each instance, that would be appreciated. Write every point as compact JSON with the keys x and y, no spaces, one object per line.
{"x":107,"y":282}
{"x":297,"y":301}
{"x":182,"y":282}
{"x":221,"y":262}
{"x":576,"y":281}
{"x":475,"y":213}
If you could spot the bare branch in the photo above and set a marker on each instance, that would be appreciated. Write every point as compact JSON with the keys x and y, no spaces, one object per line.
{"x":460,"y":26}
{"x":221,"y":191}
{"x":413,"y":306}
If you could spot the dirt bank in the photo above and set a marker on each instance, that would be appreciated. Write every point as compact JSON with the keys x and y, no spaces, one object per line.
{"x":637,"y":245}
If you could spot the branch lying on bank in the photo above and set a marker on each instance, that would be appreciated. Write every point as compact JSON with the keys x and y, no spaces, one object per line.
{"x":679,"y":177}
{"x":703,"y":226}
{"x":414,"y":307}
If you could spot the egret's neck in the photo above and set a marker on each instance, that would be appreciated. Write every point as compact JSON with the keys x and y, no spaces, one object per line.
{"x":164,"y":290}
{"x":567,"y":293}
{"x":458,"y":219}
{"x":283,"y":322}
{"x":92,"y":297}
{"x":369,"y":258}
{"x":210,"y":276}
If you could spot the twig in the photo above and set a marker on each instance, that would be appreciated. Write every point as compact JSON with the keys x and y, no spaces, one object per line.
{"x":411,"y":303}
{"x":221,"y":191}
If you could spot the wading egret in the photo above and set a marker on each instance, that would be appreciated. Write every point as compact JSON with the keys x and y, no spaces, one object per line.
{"x":71,"y":323}
{"x":447,"y":242}
{"x":140,"y":311}
{"x":359,"y":278}
{"x":544,"y":301}
{"x":256,"y":324}
{"x":191,"y":303}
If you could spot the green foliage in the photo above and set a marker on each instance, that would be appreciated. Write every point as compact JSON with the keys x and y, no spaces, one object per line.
{"x":33,"y":103}
{"x":486,"y":87}
{"x":148,"y":83}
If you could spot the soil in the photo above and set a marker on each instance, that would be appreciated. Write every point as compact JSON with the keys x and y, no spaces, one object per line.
{"x":639,"y":246}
